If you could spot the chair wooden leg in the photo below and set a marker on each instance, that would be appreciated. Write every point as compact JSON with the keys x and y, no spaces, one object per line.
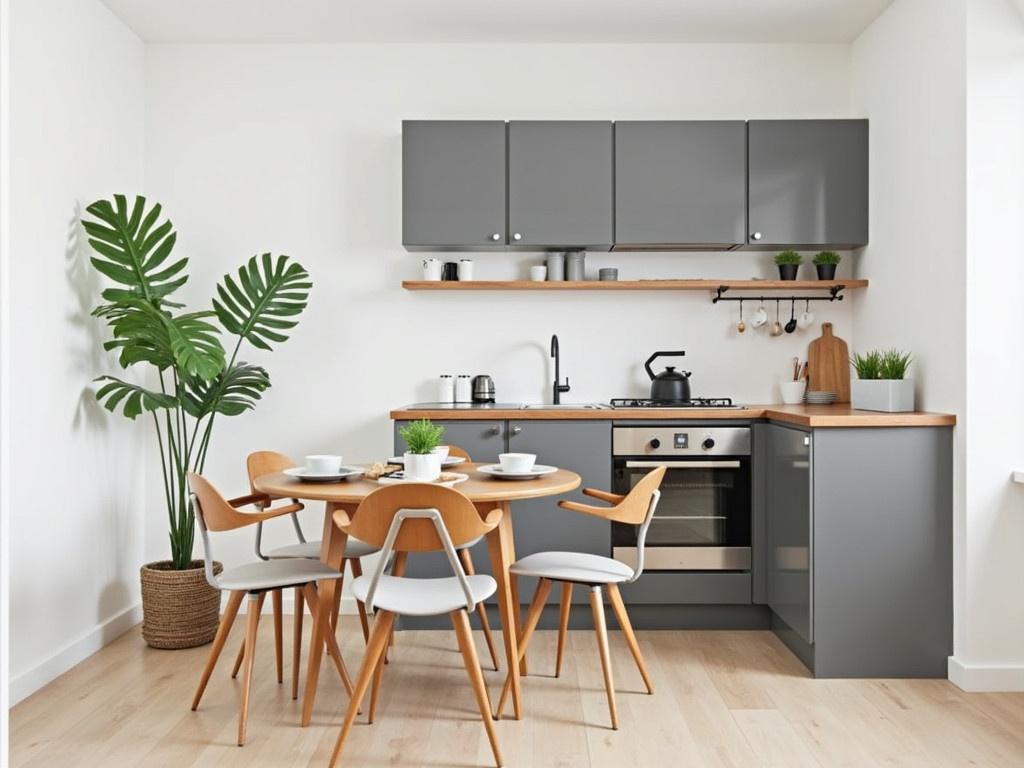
{"x":460,"y":620}
{"x":223,"y":631}
{"x":357,"y":571}
{"x":241,"y":650}
{"x":297,"y":641}
{"x":615,"y":598}
{"x":597,"y":606}
{"x":540,"y":597}
{"x":563,"y":624}
{"x":275,"y":599}
{"x":467,"y":564}
{"x":251,"y":625}
{"x":382,"y":623}
{"x":332,"y":642}
{"x":336,"y":608}
{"x":378,"y":677}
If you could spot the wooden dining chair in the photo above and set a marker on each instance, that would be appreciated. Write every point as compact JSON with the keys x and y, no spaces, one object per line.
{"x":213,"y":515}
{"x":418,"y":517}
{"x":597,"y":573}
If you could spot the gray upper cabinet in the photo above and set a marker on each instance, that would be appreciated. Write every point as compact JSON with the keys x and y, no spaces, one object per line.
{"x":680,"y":184}
{"x":453,"y":184}
{"x":560,"y":184}
{"x":808,"y":183}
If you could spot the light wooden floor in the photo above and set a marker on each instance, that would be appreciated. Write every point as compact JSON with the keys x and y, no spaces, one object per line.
{"x":721,"y":699}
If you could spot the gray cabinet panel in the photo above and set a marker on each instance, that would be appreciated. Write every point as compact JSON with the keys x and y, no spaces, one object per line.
{"x":680,"y":182}
{"x":453,"y":184}
{"x":808,"y":183}
{"x":790,"y":553}
{"x":560,"y":184}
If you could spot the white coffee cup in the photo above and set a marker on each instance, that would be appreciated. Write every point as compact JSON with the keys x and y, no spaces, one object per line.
{"x":323,"y":464}
{"x":442,"y":451}
{"x":806,"y":320}
{"x":539,"y":273}
{"x":792,"y":391}
{"x":760,"y":317}
{"x":465,"y":269}
{"x":517,"y":463}
{"x":432,"y":269}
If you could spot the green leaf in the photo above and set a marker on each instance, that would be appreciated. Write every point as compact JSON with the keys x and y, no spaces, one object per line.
{"x":260,"y":302}
{"x":232,"y":393}
{"x":136,"y":398}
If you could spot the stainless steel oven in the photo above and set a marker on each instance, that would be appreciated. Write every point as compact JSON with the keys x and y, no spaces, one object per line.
{"x":702,"y":522}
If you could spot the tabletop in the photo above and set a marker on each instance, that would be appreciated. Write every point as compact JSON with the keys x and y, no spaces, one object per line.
{"x":479,"y":487}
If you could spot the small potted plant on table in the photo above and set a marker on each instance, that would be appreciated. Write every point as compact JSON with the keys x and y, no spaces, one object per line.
{"x":422,"y":460}
{"x":881,"y":383}
{"x":825,"y":263}
{"x":788,"y":262}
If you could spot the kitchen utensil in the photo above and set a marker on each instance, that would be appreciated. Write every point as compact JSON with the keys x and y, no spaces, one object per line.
{"x":465,"y":269}
{"x":791,"y":324}
{"x":806,"y":319}
{"x":308,"y":476}
{"x":669,"y":385}
{"x":792,"y":391}
{"x":322,"y":464}
{"x":608,"y":274}
{"x":760,"y":316}
{"x":556,"y":266}
{"x":483,"y":389}
{"x":445,"y":388}
{"x":539,"y":273}
{"x":463,"y":389}
{"x":741,"y":326}
{"x":776,"y":326}
{"x":432,"y":269}
{"x":447,"y":461}
{"x":796,"y":368}
{"x":450,"y":271}
{"x":517,"y":463}
{"x":495,"y":470}
{"x":575,"y":265}
{"x":828,"y":364}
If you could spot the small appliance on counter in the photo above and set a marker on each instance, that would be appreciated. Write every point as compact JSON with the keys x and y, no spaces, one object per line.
{"x":483,"y":389}
{"x":445,"y":388}
{"x":463,"y":388}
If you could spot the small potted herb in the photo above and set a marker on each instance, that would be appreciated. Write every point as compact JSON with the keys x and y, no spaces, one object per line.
{"x":826,"y":262}
{"x":422,"y":462}
{"x":788,"y":262}
{"x":881,"y":383}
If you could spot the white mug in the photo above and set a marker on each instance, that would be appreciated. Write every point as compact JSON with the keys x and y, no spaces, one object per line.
{"x":466,"y":269}
{"x":806,"y":320}
{"x":431,"y":269}
{"x":760,"y":317}
{"x":539,"y":273}
{"x":323,"y":464}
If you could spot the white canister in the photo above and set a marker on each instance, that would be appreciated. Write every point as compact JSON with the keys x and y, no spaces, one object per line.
{"x":539,"y":273}
{"x":463,"y":388}
{"x":432,"y":269}
{"x":792,"y":391}
{"x":465,"y":269}
{"x":445,"y":388}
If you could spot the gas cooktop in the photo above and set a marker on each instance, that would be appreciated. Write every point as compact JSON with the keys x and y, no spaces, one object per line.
{"x":695,"y":402}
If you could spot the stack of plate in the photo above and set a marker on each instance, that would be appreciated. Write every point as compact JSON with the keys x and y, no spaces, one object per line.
{"x":819,"y":398}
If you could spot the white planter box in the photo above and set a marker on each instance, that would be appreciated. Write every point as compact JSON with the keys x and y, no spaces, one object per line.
{"x":890,"y":395}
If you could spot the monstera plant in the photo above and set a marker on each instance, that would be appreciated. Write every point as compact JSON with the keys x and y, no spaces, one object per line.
{"x":190,"y":379}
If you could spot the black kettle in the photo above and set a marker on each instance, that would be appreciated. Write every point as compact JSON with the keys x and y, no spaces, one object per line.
{"x":670,"y":385}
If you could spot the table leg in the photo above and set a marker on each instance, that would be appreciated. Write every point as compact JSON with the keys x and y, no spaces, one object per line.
{"x":501,"y":548}
{"x":331,"y":553}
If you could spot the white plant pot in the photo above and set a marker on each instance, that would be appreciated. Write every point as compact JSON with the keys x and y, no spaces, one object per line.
{"x":889,"y":395}
{"x":422,"y":466}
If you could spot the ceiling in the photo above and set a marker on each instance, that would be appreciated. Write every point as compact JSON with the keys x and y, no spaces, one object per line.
{"x":542,"y":21}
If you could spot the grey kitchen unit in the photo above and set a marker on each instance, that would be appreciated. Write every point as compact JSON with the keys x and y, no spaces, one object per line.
{"x":680,"y":184}
{"x":858,"y":558}
{"x":807,"y":183}
{"x":453,"y":184}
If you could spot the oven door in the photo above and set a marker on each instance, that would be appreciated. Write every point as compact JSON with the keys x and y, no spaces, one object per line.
{"x":702,"y":521}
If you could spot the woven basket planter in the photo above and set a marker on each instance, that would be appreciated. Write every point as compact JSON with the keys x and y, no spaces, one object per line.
{"x":179,"y":608}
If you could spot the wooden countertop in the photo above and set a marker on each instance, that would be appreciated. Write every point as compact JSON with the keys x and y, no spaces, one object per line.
{"x":802,"y":415}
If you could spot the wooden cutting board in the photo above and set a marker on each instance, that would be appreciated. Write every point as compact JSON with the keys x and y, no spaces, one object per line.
{"x":828,"y":365}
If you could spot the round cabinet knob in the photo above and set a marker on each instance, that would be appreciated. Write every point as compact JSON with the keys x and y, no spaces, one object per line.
{"x":517,"y":236}
{"x":655,"y":443}
{"x":755,"y":235}
{"x":496,"y":237}
{"x":495,"y":430}
{"x":516,"y":430}
{"x":708,"y":444}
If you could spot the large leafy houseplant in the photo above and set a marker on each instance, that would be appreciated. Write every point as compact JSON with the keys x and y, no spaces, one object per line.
{"x":193,"y":380}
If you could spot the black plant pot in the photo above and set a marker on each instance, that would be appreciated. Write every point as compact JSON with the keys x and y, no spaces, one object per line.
{"x":826,"y":271}
{"x":788,"y":271}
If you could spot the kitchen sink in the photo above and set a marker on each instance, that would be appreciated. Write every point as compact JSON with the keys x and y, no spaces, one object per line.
{"x":567,"y":407}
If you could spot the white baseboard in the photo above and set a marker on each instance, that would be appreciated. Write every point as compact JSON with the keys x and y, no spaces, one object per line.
{"x":986,"y":678}
{"x":348,"y":604}
{"x":76,"y":651}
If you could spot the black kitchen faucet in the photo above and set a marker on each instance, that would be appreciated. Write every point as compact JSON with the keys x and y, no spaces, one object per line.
{"x":557,"y":389}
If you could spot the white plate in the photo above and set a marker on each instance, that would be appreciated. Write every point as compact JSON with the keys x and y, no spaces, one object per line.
{"x":449,"y":461}
{"x":495,"y":470}
{"x":392,"y":480}
{"x":306,"y":476}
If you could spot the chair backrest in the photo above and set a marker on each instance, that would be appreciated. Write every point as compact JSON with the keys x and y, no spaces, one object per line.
{"x":638,"y":509}
{"x":417,"y":517}
{"x":454,"y":450}
{"x":259,"y":463}
{"x":213,"y":513}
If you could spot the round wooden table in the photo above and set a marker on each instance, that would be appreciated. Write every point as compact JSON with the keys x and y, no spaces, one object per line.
{"x":485,"y":492}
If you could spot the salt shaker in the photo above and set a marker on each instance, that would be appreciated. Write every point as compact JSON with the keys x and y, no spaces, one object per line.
{"x":446,"y":388}
{"x":463,"y":389}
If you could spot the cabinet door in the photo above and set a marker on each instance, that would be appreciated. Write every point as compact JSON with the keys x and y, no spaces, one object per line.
{"x":680,"y":183}
{"x":585,"y":447}
{"x":560,"y":184}
{"x":790,"y":522}
{"x":808,"y":183}
{"x":453,"y":184}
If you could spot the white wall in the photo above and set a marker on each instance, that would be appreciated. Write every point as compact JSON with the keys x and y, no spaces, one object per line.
{"x":297,"y":149}
{"x":75,"y":488}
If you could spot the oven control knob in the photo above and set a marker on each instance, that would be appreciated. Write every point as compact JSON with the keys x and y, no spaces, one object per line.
{"x":655,"y":443}
{"x":708,"y":444}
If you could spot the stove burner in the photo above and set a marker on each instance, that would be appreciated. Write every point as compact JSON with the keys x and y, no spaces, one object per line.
{"x":695,"y":402}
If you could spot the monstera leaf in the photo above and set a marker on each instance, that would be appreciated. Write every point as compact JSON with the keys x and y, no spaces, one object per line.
{"x":263,"y":300}
{"x":132,"y":250}
{"x":233,"y":392}
{"x":136,"y":399}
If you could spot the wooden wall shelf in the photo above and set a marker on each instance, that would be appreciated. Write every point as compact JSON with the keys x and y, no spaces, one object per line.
{"x":631,"y":285}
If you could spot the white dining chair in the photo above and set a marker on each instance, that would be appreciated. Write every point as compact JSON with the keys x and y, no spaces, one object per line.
{"x":418,"y":517}
{"x":214,"y":514}
{"x":597,"y":573}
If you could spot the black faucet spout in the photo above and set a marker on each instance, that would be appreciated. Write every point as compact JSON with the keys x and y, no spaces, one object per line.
{"x":556,"y":388}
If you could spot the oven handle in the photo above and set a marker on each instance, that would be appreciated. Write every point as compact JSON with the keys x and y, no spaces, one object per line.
{"x":684,"y":464}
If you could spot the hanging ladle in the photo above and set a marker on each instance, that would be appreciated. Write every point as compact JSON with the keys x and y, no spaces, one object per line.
{"x":741,"y":326}
{"x":791,"y":325}
{"x":776,"y":326}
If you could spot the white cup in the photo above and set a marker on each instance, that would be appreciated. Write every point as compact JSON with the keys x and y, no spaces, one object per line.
{"x":760,"y":317}
{"x":806,"y":320}
{"x":465,"y":269}
{"x":517,"y":463}
{"x":539,"y":273}
{"x":792,"y":391}
{"x":431,"y":269}
{"x":323,"y":464}
{"x":442,"y":451}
